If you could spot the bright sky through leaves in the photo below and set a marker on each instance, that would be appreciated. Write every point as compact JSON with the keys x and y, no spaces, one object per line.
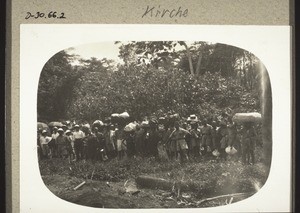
{"x":101,"y":50}
{"x":108,"y":50}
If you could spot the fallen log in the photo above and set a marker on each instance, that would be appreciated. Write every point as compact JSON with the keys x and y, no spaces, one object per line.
{"x":160,"y":183}
{"x":153,"y":182}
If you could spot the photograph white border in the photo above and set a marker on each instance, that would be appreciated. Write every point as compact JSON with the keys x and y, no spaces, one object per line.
{"x":271,"y":44}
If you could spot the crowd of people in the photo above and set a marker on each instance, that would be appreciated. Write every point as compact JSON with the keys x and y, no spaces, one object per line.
{"x":182,"y":139}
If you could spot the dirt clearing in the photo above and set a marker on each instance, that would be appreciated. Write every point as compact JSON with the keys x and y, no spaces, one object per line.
{"x":113,"y":184}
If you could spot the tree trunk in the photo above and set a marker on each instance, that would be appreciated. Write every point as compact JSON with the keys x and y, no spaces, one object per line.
{"x":251,"y":73}
{"x":188,"y":54}
{"x":199,"y":63}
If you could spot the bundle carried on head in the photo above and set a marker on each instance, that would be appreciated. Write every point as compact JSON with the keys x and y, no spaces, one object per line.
{"x":97,"y":123}
{"x":120,"y":118}
{"x":114,"y":115}
{"x":124,"y":115}
{"x":253,"y":117}
{"x":130,"y":127}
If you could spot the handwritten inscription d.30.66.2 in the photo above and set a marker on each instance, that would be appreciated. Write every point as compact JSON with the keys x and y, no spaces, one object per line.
{"x":163,"y":12}
{"x":49,"y":15}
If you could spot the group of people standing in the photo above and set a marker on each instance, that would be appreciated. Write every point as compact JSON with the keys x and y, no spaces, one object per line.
{"x":180,"y":140}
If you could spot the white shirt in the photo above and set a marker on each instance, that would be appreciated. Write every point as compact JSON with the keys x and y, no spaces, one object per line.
{"x":55,"y":135}
{"x":45,"y":140}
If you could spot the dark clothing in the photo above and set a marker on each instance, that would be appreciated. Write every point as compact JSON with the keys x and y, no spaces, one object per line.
{"x":101,"y":152}
{"x":214,"y":138}
{"x":195,"y":142}
{"x":206,"y":135}
{"x":248,"y":137}
{"x":169,"y":143}
{"x":152,"y":139}
{"x":63,"y":146}
{"x":92,"y":146}
{"x":223,"y":132}
{"x":52,"y":144}
{"x":101,"y":140}
{"x":130,"y":144}
{"x":139,"y":139}
{"x":223,"y":135}
{"x":232,"y":135}
{"x":78,"y":147}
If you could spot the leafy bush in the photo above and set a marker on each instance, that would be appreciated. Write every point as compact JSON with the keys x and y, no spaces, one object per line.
{"x":95,"y":89}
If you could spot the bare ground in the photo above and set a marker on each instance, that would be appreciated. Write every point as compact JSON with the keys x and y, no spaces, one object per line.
{"x":112,"y":184}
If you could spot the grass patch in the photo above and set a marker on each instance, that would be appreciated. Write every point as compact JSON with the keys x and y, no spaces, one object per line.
{"x":206,"y":178}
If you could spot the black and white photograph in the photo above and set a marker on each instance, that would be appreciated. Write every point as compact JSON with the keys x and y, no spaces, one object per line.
{"x":152,"y":123}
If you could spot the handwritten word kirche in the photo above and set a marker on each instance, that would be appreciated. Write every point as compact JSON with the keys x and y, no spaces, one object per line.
{"x":163,"y":12}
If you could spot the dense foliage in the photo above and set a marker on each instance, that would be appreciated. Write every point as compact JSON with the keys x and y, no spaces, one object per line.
{"x":223,"y":79}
